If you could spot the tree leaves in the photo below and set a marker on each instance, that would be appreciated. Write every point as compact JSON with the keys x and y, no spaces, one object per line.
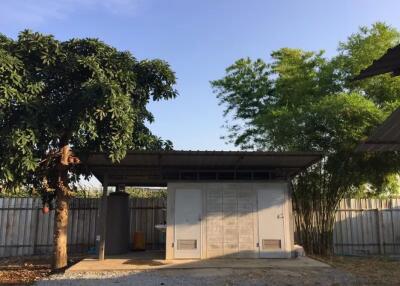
{"x":305,"y":101}
{"x":80,"y":91}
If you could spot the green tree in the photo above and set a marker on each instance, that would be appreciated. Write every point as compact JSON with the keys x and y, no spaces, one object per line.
{"x":80,"y":94}
{"x":304,"y":101}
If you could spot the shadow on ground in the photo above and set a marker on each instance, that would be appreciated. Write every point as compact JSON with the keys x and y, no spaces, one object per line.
{"x":226,"y":272}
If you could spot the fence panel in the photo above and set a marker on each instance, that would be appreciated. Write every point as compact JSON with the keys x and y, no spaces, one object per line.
{"x":145,"y":213}
{"x":25,"y":230}
{"x":367,"y":227}
{"x":362,"y":227}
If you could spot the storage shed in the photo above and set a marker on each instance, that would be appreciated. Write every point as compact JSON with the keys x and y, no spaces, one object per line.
{"x":220,"y":203}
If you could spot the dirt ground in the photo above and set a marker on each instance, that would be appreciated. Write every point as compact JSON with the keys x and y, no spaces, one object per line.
{"x":345,"y":271}
{"x":23,"y":271}
{"x":323,"y":276}
{"x":370,"y":270}
{"x":26,"y":270}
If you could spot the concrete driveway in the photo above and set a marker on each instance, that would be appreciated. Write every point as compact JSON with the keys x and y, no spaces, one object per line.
{"x":207,"y":276}
{"x":135,"y":261}
{"x":226,"y":272}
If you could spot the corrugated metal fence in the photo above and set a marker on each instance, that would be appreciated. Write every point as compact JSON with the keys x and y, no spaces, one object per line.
{"x":25,"y":230}
{"x":367,"y":226}
{"x":363,"y":226}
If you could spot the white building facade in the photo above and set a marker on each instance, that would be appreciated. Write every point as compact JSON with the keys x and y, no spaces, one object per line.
{"x":229,"y":219}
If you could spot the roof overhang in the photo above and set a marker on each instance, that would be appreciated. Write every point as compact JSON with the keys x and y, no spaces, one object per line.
{"x":157,"y":168}
{"x":385,"y":137}
{"x":388,"y":63}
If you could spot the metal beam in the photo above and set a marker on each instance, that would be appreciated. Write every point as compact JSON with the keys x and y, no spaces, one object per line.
{"x":103,"y":218}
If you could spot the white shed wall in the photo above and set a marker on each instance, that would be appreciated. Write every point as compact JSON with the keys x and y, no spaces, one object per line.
{"x":236,"y":219}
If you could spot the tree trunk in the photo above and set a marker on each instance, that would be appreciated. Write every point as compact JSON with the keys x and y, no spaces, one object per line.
{"x":60,"y":258}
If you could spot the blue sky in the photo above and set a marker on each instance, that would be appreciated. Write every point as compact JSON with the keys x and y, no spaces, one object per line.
{"x":199,"y":39}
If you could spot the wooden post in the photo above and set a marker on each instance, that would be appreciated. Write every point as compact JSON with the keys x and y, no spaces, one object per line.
{"x":291,"y":218}
{"x":103,"y":218}
{"x":379,"y":230}
{"x":35,"y":237}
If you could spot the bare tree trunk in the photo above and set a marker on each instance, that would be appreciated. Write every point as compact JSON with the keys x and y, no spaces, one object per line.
{"x":60,"y":231}
{"x":60,"y":258}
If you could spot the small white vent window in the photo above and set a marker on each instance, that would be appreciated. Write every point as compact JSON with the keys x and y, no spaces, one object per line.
{"x":271,"y":244}
{"x":187,"y":244}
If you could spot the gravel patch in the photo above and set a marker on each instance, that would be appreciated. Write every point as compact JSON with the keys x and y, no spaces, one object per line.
{"x":208,"y":277}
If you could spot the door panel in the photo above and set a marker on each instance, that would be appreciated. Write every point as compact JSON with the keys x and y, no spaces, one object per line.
{"x":231,"y":222}
{"x":247,"y":223}
{"x":230,"y":227}
{"x":215,"y":243}
{"x":188,"y":212}
{"x":271,"y":221}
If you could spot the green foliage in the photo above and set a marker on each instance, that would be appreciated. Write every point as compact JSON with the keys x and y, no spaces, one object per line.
{"x":18,"y":192}
{"x":304,"y":101}
{"x":358,"y":52}
{"x":389,"y":187}
{"x":81,"y":92}
{"x":146,"y":192}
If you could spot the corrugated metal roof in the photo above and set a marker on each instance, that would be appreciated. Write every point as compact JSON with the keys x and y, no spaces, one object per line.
{"x":388,"y":63}
{"x":386,"y":137}
{"x":150,"y":167}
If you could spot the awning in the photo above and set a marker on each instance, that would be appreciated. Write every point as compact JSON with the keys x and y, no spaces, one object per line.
{"x":156,"y":168}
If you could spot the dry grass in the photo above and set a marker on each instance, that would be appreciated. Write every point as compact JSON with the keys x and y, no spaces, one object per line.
{"x":23,"y":270}
{"x":26,"y":270}
{"x":371,"y":270}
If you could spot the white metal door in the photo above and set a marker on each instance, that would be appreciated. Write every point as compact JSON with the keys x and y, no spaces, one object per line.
{"x":271,"y":201}
{"x":188,"y":211}
{"x":215,"y":226}
{"x":231,"y":222}
{"x":247,"y":223}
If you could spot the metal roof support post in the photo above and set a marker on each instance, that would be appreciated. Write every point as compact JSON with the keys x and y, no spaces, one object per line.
{"x":103,"y":218}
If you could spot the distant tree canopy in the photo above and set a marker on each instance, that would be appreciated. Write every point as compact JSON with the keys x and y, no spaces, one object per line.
{"x":304,"y":101}
{"x":62,"y":98}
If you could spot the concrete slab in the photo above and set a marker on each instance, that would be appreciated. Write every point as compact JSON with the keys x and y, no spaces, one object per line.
{"x":132,"y":263}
